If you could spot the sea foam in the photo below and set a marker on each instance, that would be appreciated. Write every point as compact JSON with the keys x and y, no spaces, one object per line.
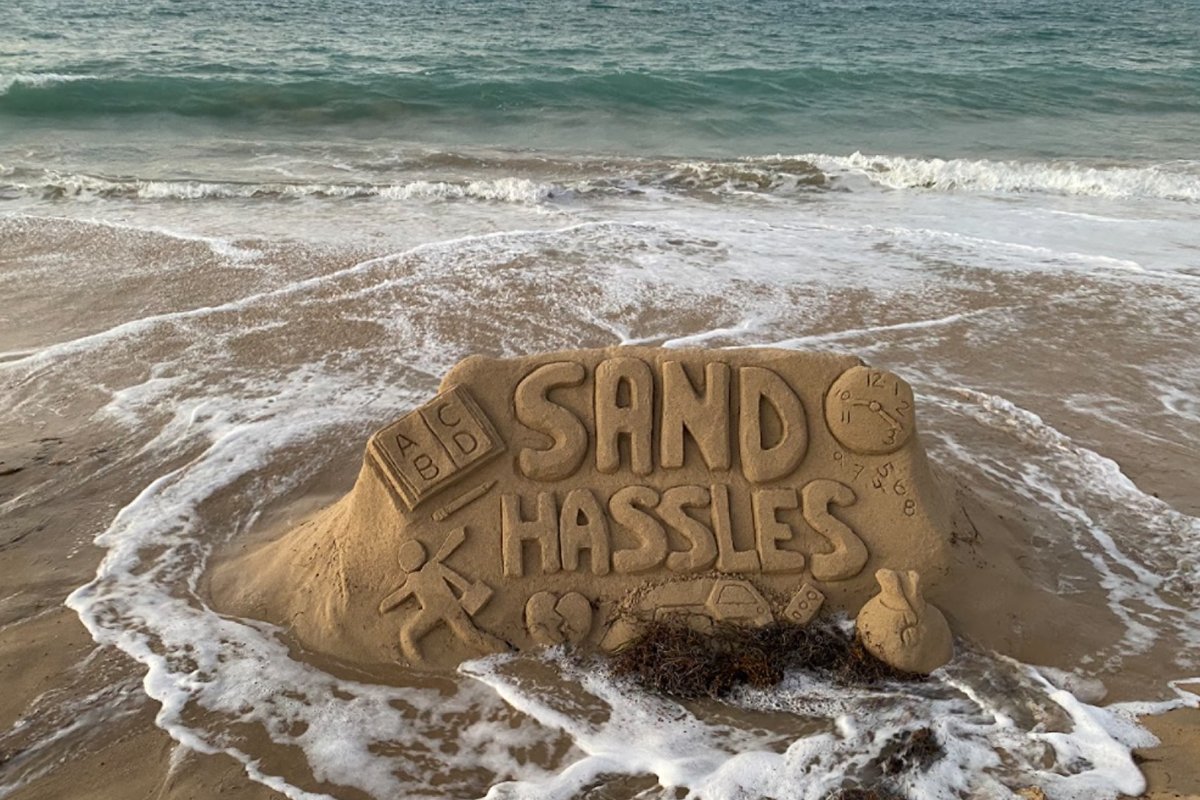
{"x":776,"y":178}
{"x":38,"y":80}
{"x":1175,"y":181}
{"x":55,"y":186}
{"x":989,"y":746}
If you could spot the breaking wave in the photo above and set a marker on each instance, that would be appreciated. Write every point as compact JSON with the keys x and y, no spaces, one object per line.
{"x":1171,"y":181}
{"x":764,"y":177}
{"x":37,"y":80}
{"x":55,"y":187}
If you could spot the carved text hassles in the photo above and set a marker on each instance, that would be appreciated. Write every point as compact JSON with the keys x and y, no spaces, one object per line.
{"x":766,"y":437}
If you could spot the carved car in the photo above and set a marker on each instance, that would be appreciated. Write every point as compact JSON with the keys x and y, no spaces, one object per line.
{"x":700,"y":603}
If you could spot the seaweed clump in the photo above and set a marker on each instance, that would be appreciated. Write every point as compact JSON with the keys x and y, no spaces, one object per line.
{"x":672,"y":658}
{"x":913,"y":750}
{"x":910,"y":750}
{"x":865,"y":794}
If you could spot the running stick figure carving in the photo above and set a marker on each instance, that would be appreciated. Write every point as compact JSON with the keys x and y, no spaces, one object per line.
{"x":432,"y":584}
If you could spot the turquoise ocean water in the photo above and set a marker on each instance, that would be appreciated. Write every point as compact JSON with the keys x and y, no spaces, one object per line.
{"x":238,"y":237}
{"x":1086,"y":79}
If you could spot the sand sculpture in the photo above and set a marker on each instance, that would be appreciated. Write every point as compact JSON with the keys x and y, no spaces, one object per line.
{"x":569,"y":498}
{"x":897,"y":625}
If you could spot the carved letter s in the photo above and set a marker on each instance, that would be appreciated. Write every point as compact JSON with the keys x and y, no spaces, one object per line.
{"x":849,"y":554}
{"x":538,"y":412}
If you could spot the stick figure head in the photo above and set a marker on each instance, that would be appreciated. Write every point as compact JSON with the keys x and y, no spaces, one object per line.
{"x":412,"y":555}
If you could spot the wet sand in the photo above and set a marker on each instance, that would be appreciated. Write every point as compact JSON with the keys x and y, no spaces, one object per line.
{"x":87,"y":431}
{"x":119,"y":752}
{"x":75,"y":719}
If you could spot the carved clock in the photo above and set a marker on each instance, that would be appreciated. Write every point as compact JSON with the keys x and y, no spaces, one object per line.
{"x":870,"y":411}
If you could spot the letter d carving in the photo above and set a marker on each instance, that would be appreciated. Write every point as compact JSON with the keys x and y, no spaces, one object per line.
{"x":761,"y":463}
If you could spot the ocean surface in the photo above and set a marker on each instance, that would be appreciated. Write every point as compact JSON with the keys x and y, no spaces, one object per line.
{"x":237,"y":237}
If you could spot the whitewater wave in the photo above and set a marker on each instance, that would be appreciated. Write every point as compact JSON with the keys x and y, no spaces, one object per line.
{"x":773,"y":177}
{"x":686,"y":178}
{"x":785,"y":175}
{"x":38,"y":80}
{"x":781,"y":175}
{"x":55,"y":186}
{"x":1174,"y":181}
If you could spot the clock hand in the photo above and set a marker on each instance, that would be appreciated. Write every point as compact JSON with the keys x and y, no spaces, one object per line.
{"x":891,"y":421}
{"x":877,"y":407}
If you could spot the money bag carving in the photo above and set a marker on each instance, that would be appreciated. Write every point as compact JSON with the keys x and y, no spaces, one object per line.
{"x":899,"y":628}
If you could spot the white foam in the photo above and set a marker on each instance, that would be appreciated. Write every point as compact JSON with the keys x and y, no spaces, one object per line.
{"x":37,"y":79}
{"x":1139,"y":546}
{"x":221,"y":424}
{"x":1100,"y":739}
{"x":824,"y":339}
{"x":1176,"y":181}
{"x":757,"y":178}
{"x":223,"y":247}
{"x":749,"y":325}
{"x":89,"y":187}
{"x":220,"y":429}
{"x":509,"y":190}
{"x":986,"y":751}
{"x":197,"y":658}
{"x":1089,"y":690}
{"x":137,"y":327}
{"x":1183,"y":699}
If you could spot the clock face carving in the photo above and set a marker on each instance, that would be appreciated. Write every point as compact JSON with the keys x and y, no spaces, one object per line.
{"x":870,"y":411}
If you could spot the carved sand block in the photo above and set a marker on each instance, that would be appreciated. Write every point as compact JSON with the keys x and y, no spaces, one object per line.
{"x":569,"y":498}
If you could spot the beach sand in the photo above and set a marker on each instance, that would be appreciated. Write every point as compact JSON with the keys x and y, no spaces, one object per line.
{"x":108,"y":746}
{"x":214,"y":390}
{"x":237,"y":239}
{"x":45,"y":652}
